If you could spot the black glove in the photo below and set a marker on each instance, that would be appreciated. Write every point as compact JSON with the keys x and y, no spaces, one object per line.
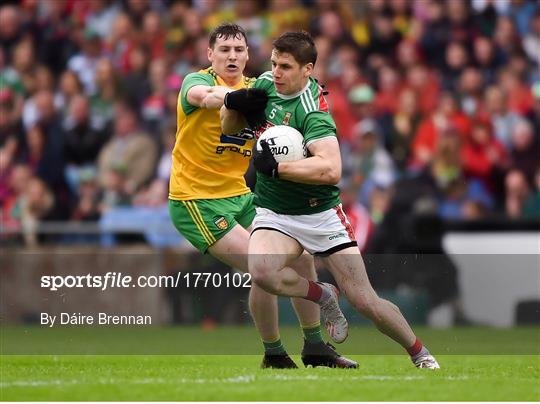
{"x":246,"y":100}
{"x":265,"y":162}
{"x":256,"y":119}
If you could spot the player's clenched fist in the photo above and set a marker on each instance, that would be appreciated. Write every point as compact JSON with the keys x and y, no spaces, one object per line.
{"x":251,"y":103}
{"x":246,"y":100}
{"x":265,"y":162}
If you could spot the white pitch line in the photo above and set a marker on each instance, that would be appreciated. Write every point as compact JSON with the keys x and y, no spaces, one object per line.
{"x":230,"y":380}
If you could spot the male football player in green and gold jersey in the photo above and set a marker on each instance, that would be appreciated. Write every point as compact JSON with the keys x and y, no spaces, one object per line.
{"x":209,"y":201}
{"x":298,"y":205}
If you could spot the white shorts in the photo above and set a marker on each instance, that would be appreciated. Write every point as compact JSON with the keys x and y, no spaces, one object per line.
{"x":321,"y":233}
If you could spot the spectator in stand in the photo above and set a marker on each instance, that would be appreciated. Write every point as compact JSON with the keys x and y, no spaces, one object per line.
{"x":408,"y":54}
{"x":384,"y":39}
{"x":519,"y":95}
{"x":401,"y":128}
{"x":389,"y":85}
{"x":460,"y":24}
{"x":69,"y":86}
{"x":401,"y":11}
{"x":248,"y":15}
{"x":168,"y":138}
{"x":531,"y":41}
{"x":369,"y":163}
{"x":517,"y":193}
{"x":453,"y":192}
{"x":11,"y":137}
{"x":153,"y":36}
{"x":82,"y":141}
{"x":486,"y":13}
{"x":435,"y":34}
{"x":502,"y":120}
{"x":525,"y":149}
{"x":456,"y":60}
{"x":484,"y":157}
{"x":37,"y":205}
{"x":521,"y":12}
{"x":87,"y":207}
{"x":286,"y":15}
{"x":10,"y":30}
{"x":136,"y":84}
{"x":174,"y":84}
{"x":532,"y":204}
{"x":121,"y":42}
{"x":53,"y":42}
{"x":471,"y":84}
{"x":446,"y":117}
{"x":117,"y":189}
{"x":130,"y":152}
{"x":101,"y":16}
{"x":534,"y":113}
{"x":506,"y":37}
{"x":154,"y":107}
{"x":24,"y":63}
{"x":426,"y":86}
{"x":17,"y":182}
{"x":45,"y":142}
{"x":361,"y":97}
{"x":84,"y":63}
{"x":488,"y":58}
{"x":107,"y":90}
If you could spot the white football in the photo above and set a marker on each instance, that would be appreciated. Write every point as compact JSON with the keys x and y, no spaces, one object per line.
{"x":286,"y":143}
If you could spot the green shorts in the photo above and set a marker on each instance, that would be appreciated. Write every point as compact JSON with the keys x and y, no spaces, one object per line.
{"x":204,"y":221}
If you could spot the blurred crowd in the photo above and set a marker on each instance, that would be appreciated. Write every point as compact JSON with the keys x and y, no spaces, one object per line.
{"x":437,"y":103}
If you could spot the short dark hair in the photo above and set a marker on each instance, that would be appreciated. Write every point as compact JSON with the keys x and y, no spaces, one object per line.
{"x":299,"y":44}
{"x":226,"y":31}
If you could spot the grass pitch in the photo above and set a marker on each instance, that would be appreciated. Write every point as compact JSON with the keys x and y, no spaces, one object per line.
{"x":209,"y":377}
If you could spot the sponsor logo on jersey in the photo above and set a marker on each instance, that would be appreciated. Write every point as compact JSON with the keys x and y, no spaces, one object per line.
{"x":277,"y":106}
{"x":287,"y":118}
{"x":221,"y":223}
{"x":337,"y":235}
{"x":234,"y":149}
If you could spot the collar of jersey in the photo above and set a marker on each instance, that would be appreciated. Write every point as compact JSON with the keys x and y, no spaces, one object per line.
{"x":238,"y":86}
{"x":290,"y":97}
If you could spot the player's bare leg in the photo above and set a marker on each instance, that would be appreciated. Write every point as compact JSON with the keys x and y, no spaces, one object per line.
{"x":269,"y":254}
{"x":348,"y":269}
{"x":232,"y":250}
{"x":308,"y":312}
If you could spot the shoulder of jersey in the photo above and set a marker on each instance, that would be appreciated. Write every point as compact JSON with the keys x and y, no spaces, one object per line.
{"x":267,"y":76}
{"x":313,"y":100}
{"x":210,"y":72}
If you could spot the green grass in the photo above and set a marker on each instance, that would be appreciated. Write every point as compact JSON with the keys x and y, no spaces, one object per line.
{"x":210,"y":377}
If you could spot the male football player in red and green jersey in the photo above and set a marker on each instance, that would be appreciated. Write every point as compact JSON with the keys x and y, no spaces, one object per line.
{"x":209,"y":201}
{"x":298,"y":205}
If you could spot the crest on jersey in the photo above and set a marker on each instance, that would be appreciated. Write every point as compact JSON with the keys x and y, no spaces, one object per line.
{"x":287,"y":118}
{"x":221,"y":223}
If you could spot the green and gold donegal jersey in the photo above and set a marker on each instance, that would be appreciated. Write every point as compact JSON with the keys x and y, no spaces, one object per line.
{"x":206,"y":164}
{"x":307,"y":112}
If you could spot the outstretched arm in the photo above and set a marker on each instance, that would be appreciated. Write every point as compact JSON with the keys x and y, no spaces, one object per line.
{"x":209,"y":97}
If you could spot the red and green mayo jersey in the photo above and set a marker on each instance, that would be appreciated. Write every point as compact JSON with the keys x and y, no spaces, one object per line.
{"x":306,"y":111}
